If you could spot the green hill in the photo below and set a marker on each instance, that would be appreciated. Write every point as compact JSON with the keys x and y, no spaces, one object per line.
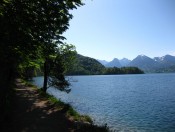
{"x":86,"y":66}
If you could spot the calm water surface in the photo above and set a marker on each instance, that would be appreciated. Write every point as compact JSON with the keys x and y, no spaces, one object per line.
{"x":127,"y":103}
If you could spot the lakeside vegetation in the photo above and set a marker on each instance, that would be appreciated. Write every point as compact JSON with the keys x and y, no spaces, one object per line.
{"x":83,"y":122}
{"x":31,"y":38}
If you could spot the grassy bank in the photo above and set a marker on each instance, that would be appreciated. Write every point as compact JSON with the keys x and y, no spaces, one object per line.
{"x":83,"y":123}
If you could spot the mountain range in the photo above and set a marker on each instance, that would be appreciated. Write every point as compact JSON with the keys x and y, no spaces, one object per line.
{"x":157,"y":64}
{"x":84,"y":65}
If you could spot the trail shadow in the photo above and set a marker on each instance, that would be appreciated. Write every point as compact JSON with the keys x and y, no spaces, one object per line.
{"x":34,"y":114}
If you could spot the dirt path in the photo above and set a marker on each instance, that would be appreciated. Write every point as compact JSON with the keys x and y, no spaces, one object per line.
{"x":34,"y":114}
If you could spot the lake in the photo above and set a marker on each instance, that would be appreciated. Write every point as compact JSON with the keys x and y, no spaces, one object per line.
{"x":127,"y":103}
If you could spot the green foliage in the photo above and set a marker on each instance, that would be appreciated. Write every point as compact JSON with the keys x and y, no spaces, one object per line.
{"x":59,"y":64}
{"x":123,"y":70}
{"x":72,"y":112}
{"x":68,"y":55}
{"x":31,"y":31}
{"x":28,"y":69}
{"x":86,"y":66}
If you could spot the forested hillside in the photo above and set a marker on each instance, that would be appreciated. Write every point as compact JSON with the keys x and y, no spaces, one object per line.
{"x":89,"y":66}
{"x":86,"y":66}
{"x":123,"y":70}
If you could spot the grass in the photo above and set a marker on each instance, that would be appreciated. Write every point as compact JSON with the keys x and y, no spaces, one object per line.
{"x":29,"y":84}
{"x":66,"y":108}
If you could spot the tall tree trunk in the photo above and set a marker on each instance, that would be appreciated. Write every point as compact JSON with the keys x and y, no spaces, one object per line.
{"x":45,"y":75}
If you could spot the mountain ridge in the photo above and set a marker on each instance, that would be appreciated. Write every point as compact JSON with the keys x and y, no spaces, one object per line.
{"x":84,"y":65}
{"x":165,"y":63}
{"x":114,"y":63}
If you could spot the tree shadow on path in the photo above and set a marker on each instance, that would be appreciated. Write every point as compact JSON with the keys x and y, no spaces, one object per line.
{"x":31,"y":113}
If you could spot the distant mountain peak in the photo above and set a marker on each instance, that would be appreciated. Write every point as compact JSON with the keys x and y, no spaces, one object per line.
{"x":124,"y":61}
{"x":142,"y":55}
{"x":165,"y":63}
{"x":169,"y":55}
{"x":164,"y":58}
{"x":115,"y":59}
{"x":158,"y":59}
{"x":114,"y":63}
{"x":103,"y":62}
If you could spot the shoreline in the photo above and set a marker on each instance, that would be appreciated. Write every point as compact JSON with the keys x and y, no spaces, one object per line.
{"x":36,"y":111}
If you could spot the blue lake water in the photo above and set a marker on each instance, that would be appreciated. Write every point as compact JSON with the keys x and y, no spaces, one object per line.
{"x":127,"y":103}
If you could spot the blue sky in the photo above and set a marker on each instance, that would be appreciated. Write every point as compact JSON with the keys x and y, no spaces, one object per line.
{"x":107,"y":29}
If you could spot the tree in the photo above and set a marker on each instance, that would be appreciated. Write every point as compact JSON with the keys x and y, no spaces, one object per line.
{"x":58,"y":65}
{"x":30,"y":29}
{"x":29,"y":25}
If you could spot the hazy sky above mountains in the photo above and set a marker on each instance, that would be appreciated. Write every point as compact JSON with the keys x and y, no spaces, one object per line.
{"x":104,"y":29}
